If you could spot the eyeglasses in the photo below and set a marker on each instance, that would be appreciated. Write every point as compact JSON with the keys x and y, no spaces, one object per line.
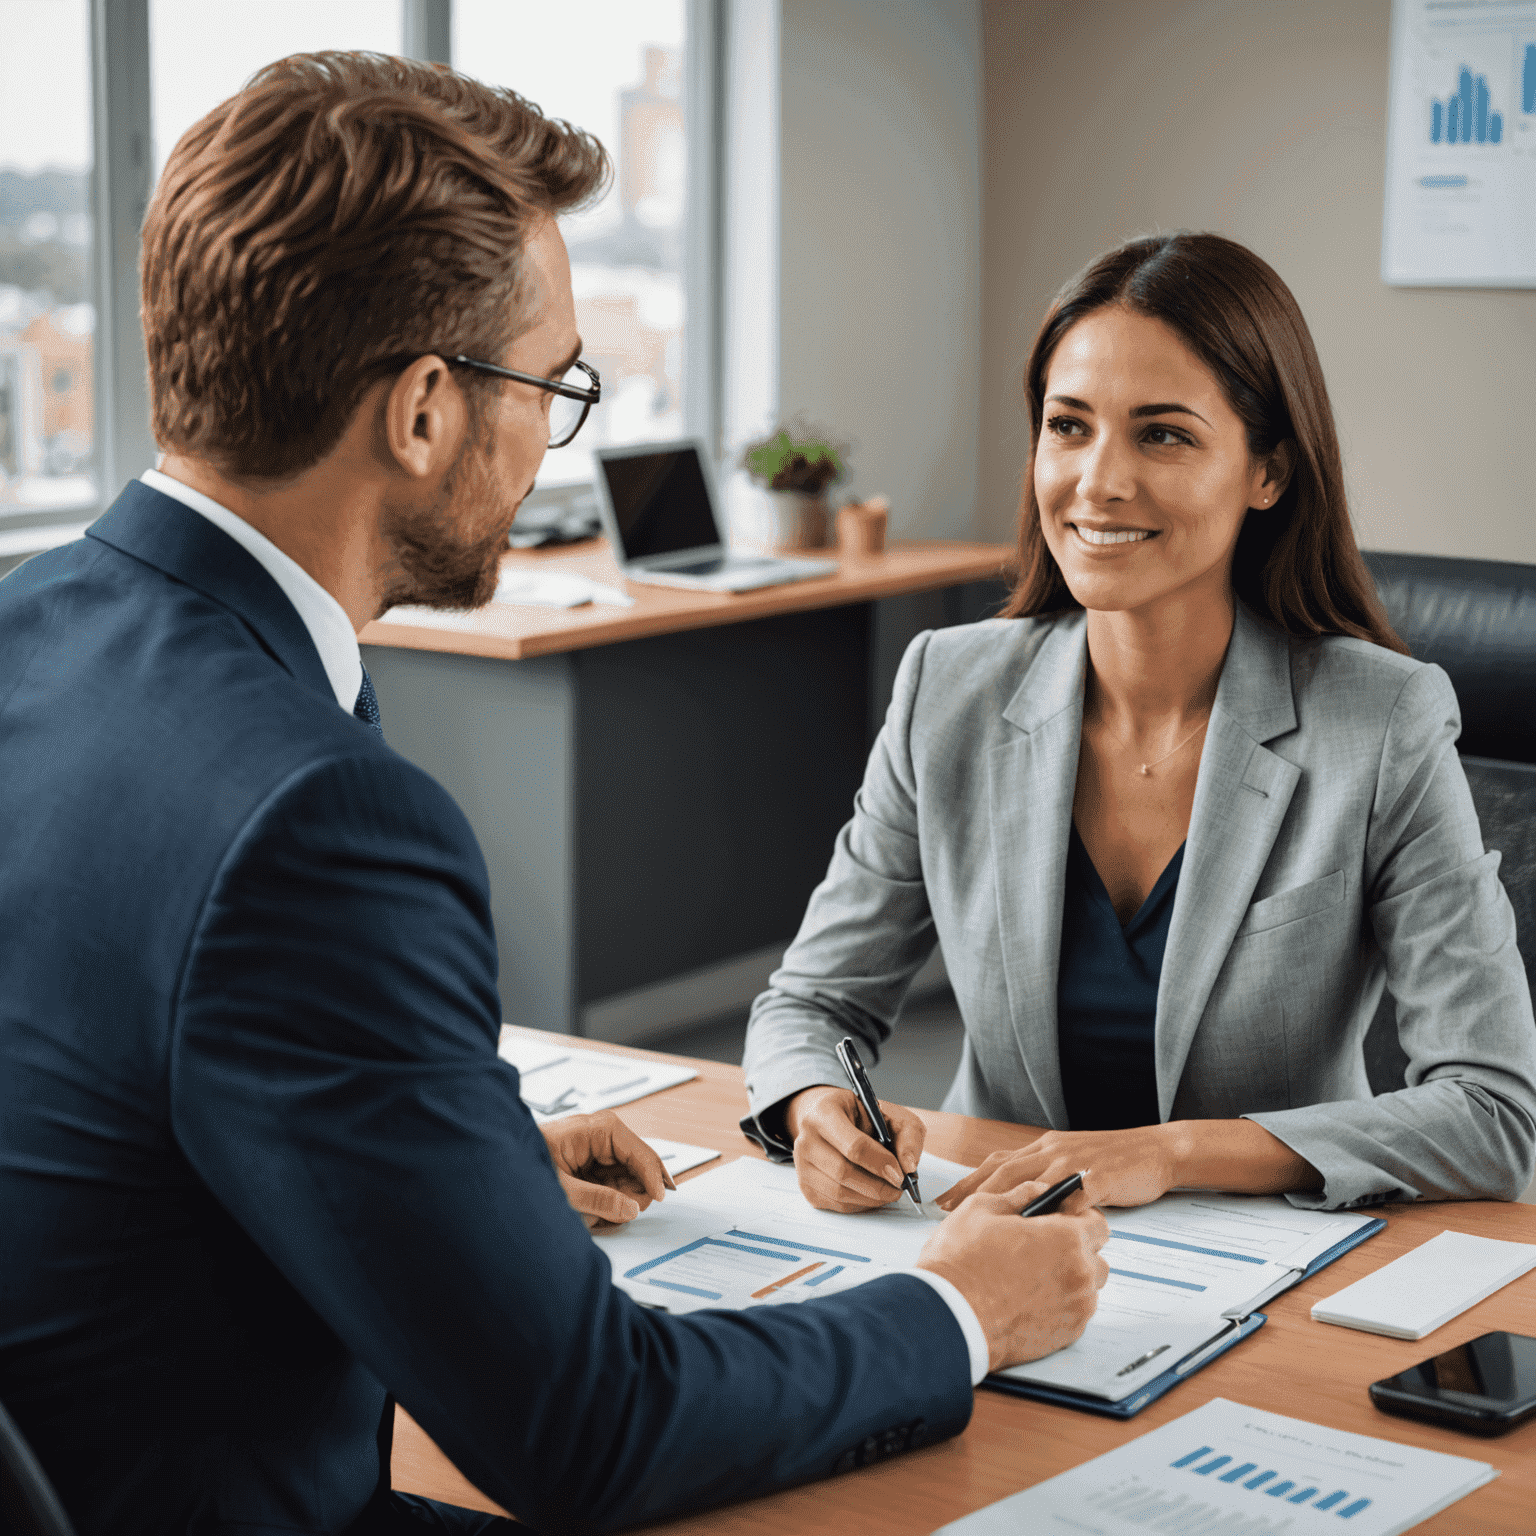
{"x":574,"y":398}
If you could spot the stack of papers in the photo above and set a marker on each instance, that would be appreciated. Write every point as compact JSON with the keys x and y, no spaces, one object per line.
{"x":743,"y":1236}
{"x":1438,"y":1280}
{"x":559,"y":1079}
{"x":1230,"y":1469}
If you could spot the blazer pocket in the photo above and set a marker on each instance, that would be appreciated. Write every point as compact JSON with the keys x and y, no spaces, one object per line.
{"x":1293,"y":905}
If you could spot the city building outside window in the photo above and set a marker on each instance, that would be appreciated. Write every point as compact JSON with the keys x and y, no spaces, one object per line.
{"x":619,"y":69}
{"x":642,"y":258}
{"x":47,"y":313}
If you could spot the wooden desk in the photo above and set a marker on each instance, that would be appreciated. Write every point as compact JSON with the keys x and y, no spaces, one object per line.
{"x":1292,"y":1366}
{"x":516,"y":632}
{"x":656,"y":789}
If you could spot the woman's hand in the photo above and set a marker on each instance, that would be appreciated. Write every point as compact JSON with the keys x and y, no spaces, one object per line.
{"x":607,"y":1172}
{"x":1134,"y":1166}
{"x":1123,"y":1167}
{"x":842,"y":1168}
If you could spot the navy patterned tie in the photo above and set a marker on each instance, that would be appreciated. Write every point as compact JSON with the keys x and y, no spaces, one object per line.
{"x":367,"y":707}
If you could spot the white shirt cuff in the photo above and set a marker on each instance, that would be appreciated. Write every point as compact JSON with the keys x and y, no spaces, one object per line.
{"x":965,"y":1315}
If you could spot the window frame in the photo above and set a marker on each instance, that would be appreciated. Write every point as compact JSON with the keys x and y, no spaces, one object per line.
{"x":120,"y":190}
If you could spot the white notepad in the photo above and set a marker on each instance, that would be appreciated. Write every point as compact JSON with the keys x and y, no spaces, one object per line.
{"x":1438,"y":1280}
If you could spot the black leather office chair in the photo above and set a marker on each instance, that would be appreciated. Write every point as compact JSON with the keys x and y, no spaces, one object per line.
{"x":28,"y":1504}
{"x":1477,"y":620}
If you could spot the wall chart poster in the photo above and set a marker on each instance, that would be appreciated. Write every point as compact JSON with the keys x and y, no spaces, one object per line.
{"x":1461,"y":145}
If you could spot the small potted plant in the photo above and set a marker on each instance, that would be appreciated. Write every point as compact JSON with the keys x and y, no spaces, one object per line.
{"x":796,"y":465}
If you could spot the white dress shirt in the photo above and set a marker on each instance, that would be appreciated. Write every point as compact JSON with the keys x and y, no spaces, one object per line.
{"x":324,"y":618}
{"x":331,"y":630}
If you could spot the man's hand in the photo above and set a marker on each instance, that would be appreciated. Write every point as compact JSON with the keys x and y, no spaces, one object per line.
{"x":842,"y":1167}
{"x":1032,"y":1284}
{"x":607,"y":1172}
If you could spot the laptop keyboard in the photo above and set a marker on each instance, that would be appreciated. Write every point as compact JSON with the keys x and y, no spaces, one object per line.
{"x":715,"y":566}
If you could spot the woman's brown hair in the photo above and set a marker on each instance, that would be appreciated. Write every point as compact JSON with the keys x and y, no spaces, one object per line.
{"x":1296,"y":563}
{"x":342,"y":215}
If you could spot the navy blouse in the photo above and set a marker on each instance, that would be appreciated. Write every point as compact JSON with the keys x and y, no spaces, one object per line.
{"x":1106,"y":1003}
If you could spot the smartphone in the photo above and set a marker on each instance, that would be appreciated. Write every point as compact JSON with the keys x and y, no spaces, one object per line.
{"x":1486,"y":1386}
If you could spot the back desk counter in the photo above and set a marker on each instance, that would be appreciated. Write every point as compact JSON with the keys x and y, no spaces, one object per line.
{"x":657,"y":788}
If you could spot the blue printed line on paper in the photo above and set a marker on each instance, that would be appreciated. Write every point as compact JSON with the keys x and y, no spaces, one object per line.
{"x":1302,"y":1497}
{"x":762,"y":1253}
{"x":1131,"y":1274}
{"x":1184,"y":1461}
{"x":1212,"y":1465}
{"x":1259,"y":1481}
{"x":640,"y":1269}
{"x":1354,"y":1509}
{"x":1168,"y":1242}
{"x":826,"y":1274}
{"x":827,"y":1253}
{"x":689,"y":1290}
{"x":1280,"y":1489}
{"x":1332,"y":1499}
{"x":1237,"y":1472}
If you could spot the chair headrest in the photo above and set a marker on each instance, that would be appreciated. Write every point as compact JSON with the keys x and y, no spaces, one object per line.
{"x":1477,"y":620}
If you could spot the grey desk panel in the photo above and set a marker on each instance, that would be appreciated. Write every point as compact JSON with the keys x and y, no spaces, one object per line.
{"x":498,"y":737}
{"x":714,"y":769}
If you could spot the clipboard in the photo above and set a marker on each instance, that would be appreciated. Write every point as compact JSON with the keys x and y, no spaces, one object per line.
{"x":1149,"y":1392}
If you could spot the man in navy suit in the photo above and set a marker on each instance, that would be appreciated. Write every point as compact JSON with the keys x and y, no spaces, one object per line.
{"x":261,"y":1171}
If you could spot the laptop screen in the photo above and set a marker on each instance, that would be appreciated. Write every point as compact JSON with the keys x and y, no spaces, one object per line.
{"x":660,"y":501}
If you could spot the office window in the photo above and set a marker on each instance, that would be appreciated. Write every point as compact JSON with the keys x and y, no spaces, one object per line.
{"x":202,"y":53}
{"x":618,"y":69}
{"x":47,"y":318}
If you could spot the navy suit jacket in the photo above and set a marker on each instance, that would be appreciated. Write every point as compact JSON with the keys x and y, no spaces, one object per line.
{"x":259,"y":1163}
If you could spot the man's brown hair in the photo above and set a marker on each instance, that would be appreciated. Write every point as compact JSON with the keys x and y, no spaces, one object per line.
{"x":1296,"y":563}
{"x":341,"y":216}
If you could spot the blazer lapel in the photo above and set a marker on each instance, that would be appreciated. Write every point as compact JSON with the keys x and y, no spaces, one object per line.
{"x":1241,"y":798}
{"x":1031,"y":783}
{"x":171,"y":537}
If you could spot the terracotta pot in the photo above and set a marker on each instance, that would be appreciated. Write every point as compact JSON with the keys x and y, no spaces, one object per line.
{"x":797,"y":521}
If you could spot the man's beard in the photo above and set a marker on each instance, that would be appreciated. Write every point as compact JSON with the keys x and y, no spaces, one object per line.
{"x":438,"y":560}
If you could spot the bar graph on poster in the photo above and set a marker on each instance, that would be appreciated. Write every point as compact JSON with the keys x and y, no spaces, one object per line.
{"x":1461,"y":145}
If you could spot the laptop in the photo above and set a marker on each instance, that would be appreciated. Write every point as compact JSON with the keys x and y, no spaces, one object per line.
{"x":658,"y":505}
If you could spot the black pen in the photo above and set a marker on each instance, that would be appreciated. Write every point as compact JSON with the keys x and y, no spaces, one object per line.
{"x":1043,"y":1205}
{"x":848,"y":1055}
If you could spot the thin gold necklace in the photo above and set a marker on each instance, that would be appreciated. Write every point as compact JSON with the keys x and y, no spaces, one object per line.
{"x":1146,"y":768}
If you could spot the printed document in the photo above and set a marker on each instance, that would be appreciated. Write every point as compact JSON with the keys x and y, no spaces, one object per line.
{"x":560,"y":1079}
{"x":744,"y":1236}
{"x":1180,"y":1270}
{"x":1230,"y":1469}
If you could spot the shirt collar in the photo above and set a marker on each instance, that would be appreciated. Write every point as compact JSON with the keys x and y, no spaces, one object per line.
{"x":324,"y":618}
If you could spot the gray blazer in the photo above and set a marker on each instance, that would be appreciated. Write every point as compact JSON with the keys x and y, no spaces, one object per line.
{"x":1333,"y":849}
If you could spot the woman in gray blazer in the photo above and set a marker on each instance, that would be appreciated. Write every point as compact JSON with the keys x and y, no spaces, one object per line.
{"x":1178,"y":817}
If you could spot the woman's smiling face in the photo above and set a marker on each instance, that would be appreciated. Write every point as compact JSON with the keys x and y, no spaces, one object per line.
{"x":1142,"y":470}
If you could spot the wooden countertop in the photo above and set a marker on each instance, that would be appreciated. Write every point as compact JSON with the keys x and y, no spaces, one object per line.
{"x":1292,"y":1366}
{"x":516,"y":631}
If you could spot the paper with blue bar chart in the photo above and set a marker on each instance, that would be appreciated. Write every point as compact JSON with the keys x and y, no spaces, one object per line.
{"x":1239,"y":1471}
{"x":744,"y":1236}
{"x":1461,"y":145}
{"x":1181,"y":1271}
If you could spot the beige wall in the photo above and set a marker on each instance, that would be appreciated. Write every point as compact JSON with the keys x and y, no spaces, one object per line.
{"x":880,"y":244}
{"x":1264,"y":121}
